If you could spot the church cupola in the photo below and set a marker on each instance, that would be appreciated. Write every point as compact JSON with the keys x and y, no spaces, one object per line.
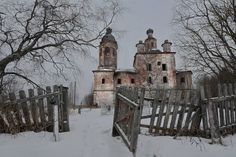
{"x":140,"y":46}
{"x":166,"y":46}
{"x":150,"y":42}
{"x":108,"y":51}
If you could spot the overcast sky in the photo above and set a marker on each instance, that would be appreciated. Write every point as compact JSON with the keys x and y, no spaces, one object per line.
{"x":136,"y":19}
{"x":138,"y":16}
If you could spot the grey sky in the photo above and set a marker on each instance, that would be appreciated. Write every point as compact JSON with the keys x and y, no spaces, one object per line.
{"x":138,"y":16}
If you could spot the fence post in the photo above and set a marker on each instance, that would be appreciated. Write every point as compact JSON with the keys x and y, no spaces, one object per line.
{"x":214,"y":128}
{"x":55,"y":102}
{"x":50,"y":109}
{"x":65,"y":114}
{"x":203,"y":110}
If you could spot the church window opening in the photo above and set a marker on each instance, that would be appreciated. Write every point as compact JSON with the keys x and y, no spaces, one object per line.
{"x":107,"y":51}
{"x":164,"y":67}
{"x":149,"y":67}
{"x":119,"y":81}
{"x":165,"y":80}
{"x":159,"y":63}
{"x":132,"y":81}
{"x":152,"y":44}
{"x":182,"y":80}
{"x":103,"y":81}
{"x":149,"y":79}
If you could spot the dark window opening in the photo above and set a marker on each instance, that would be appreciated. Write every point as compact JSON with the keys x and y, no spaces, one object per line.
{"x":132,"y":81}
{"x":164,"y":67}
{"x":182,"y":80}
{"x":149,"y":67}
{"x":149,"y":79}
{"x":152,"y":44}
{"x":165,"y":80}
{"x":158,"y":63}
{"x":119,"y":81}
{"x":107,"y":51}
{"x":103,"y":81}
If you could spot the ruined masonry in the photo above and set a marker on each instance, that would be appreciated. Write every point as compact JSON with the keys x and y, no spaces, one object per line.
{"x":152,"y":68}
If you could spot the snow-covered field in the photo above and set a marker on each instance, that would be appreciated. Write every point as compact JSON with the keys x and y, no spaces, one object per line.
{"x":90,"y":136}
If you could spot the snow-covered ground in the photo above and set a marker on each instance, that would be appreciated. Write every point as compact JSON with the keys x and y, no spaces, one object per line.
{"x":90,"y":136}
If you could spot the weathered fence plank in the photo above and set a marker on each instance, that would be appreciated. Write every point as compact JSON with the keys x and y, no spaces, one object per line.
{"x":168,"y":110}
{"x":156,"y":103}
{"x":34,"y":109}
{"x":204,"y":111}
{"x":161,"y":113}
{"x":41,"y":108}
{"x":25,"y":109}
{"x":175,"y":111}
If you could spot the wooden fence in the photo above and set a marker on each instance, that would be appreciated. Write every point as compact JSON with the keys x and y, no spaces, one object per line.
{"x":35,"y":112}
{"x":176,"y":112}
{"x":193,"y":112}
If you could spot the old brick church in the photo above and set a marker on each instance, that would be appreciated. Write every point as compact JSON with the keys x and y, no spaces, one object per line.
{"x":152,"y":68}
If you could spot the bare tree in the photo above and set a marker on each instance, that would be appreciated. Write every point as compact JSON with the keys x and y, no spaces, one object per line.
{"x":39,"y":33}
{"x":207,"y":35}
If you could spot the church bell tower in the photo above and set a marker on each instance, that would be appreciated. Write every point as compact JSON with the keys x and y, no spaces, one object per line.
{"x":108,"y":51}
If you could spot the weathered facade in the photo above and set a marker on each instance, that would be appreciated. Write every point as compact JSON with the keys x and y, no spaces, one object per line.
{"x":153,"y":68}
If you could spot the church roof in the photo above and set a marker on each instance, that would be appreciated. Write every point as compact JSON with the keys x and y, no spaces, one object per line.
{"x":108,"y":37}
{"x":126,"y":71}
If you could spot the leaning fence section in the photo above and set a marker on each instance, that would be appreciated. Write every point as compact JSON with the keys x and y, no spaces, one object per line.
{"x":34,"y":112}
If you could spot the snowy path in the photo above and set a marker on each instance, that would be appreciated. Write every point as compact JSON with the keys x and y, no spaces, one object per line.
{"x":90,"y":136}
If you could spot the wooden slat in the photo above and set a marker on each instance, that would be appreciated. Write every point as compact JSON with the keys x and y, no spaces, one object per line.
{"x":234,"y":91}
{"x":41,"y":108}
{"x":168,"y":109}
{"x":175,"y":110}
{"x":203,"y":110}
{"x":161,"y":111}
{"x":194,"y":99}
{"x":182,"y":111}
{"x":25,"y":109}
{"x":226,"y":106}
{"x":213,"y":121}
{"x":231,"y":101}
{"x":154,"y":110}
{"x":221,"y":109}
{"x":34,"y":109}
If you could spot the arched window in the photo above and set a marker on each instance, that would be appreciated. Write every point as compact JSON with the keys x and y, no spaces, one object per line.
{"x":107,"y":51}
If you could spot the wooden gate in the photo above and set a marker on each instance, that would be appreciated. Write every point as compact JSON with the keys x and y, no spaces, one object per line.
{"x":34,"y":113}
{"x":128,"y":109}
